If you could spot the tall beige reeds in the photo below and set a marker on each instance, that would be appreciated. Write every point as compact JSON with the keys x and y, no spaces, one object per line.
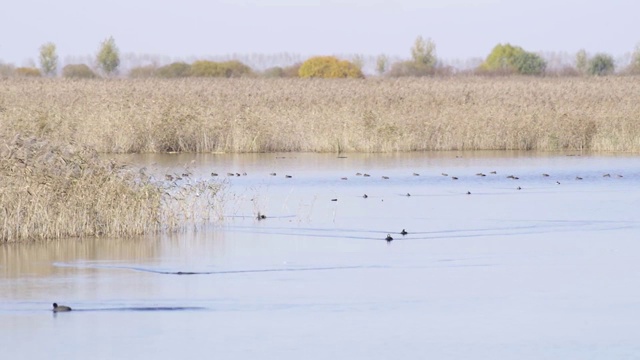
{"x":50,"y":191}
{"x":314,"y":115}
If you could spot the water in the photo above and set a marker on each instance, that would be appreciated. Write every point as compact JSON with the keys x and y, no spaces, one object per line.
{"x":545,"y":272}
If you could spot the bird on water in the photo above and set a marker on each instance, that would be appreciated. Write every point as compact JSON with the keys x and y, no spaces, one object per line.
{"x":60,"y":308}
{"x":389,"y":238}
{"x":403,"y":232}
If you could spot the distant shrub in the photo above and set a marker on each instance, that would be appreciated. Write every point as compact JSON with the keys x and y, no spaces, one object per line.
{"x":273,"y":72}
{"x":206,"y":68}
{"x":328,"y":67}
{"x":235,"y":68}
{"x":291,"y":71}
{"x":410,"y":68}
{"x":78,"y":71}
{"x":600,"y":64}
{"x":142,"y":72}
{"x":6,"y":70}
{"x":174,"y":70}
{"x":527,"y":63}
{"x":228,"y":69}
{"x":28,"y":72}
{"x":634,"y":67}
{"x":282,"y":72}
{"x":509,"y":59}
{"x":564,"y":71}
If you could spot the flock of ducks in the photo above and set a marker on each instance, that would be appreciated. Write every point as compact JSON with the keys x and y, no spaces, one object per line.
{"x":389,"y":238}
{"x":172,"y":177}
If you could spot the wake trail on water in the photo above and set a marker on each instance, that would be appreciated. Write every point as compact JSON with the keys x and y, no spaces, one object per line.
{"x":220,"y":272}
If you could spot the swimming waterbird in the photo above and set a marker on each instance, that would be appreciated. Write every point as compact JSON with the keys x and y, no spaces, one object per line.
{"x":60,"y":308}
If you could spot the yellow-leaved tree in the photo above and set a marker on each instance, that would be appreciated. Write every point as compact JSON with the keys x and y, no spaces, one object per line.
{"x":329,"y":67}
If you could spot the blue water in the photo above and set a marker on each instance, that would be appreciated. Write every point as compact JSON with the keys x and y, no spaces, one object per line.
{"x":548,"y":271}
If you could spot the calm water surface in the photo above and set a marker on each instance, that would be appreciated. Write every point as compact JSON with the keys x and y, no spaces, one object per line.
{"x":547,"y":271}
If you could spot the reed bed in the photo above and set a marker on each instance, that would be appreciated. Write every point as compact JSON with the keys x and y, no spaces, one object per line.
{"x":311,"y":115}
{"x":50,"y":191}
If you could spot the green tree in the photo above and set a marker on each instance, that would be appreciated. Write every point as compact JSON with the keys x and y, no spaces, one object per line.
{"x":601,"y":64}
{"x":328,"y":67}
{"x":423,"y":60}
{"x":513,"y":59}
{"x":423,"y":52}
{"x":382,"y":62}
{"x":581,"y":61}
{"x":528,"y":63}
{"x":48,"y":59}
{"x":108,"y":57}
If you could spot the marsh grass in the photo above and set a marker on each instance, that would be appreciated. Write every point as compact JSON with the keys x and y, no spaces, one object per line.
{"x":50,"y":191}
{"x":312,"y":115}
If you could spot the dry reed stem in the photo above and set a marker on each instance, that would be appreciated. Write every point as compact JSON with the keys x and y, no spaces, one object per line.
{"x":264,"y":115}
{"x":50,"y":191}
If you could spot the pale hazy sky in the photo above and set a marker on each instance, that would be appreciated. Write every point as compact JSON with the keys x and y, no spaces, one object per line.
{"x":461,"y":29}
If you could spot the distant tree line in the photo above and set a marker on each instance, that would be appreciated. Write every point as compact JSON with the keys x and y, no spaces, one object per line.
{"x":504,"y":59}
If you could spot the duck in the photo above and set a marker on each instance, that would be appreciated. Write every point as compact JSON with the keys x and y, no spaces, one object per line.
{"x":365,"y":196}
{"x":403,"y":232}
{"x":389,"y":238}
{"x":60,"y":308}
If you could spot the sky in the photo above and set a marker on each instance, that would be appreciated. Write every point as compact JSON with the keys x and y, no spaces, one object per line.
{"x":461,"y":29}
